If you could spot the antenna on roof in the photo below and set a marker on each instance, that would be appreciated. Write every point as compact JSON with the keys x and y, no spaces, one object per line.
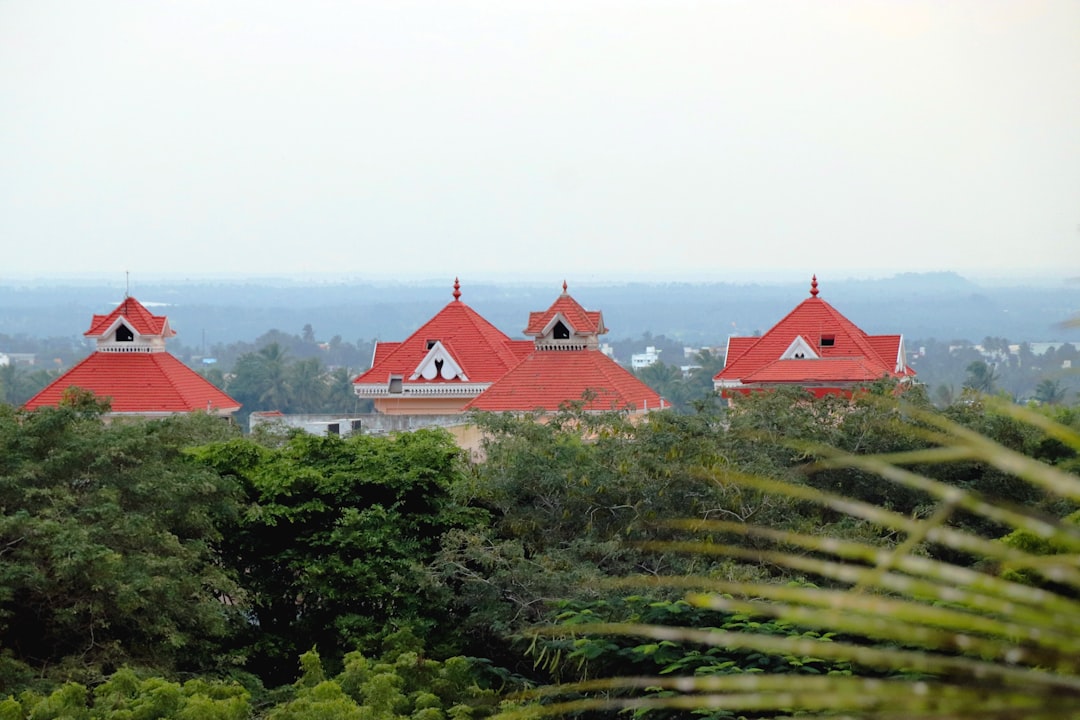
{"x":127,"y":284}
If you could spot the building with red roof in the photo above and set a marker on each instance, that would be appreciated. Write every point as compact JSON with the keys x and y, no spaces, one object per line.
{"x":458,"y":361}
{"x":441,"y":367}
{"x":815,"y":347}
{"x":567,"y":366}
{"x":131,"y":368}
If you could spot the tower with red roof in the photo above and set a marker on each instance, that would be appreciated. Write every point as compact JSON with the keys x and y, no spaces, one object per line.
{"x":814,"y":347}
{"x":131,"y":368}
{"x":441,"y":367}
{"x":567,"y":366}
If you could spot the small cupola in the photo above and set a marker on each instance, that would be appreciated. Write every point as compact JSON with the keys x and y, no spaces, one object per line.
{"x":566,"y":325}
{"x":130,"y":328}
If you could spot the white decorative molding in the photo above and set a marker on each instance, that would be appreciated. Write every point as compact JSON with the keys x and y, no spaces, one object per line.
{"x":422,"y":389}
{"x":107,"y":342}
{"x":429,"y":367}
{"x":799,"y":349}
{"x":901,"y":356}
{"x":555,"y":320}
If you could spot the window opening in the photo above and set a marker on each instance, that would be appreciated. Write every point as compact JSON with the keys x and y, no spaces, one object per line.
{"x":333,"y":429}
{"x":431,"y":344}
{"x":828,"y":340}
{"x":124,"y":334}
{"x":438,"y":367}
{"x":395,"y":385}
{"x":561,"y":332}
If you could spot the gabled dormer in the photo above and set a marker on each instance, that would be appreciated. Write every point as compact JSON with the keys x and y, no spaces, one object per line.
{"x":566,"y":326}
{"x":130,"y":328}
{"x":438,"y":363}
{"x":799,"y":349}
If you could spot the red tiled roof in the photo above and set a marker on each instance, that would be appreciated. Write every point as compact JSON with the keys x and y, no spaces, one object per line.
{"x":154,"y":382}
{"x":546,"y":379}
{"x":382,"y":351}
{"x":816,"y":371}
{"x":482,"y":351}
{"x":584,"y":322}
{"x":864,"y":357}
{"x":737,"y":346}
{"x":141,"y":320}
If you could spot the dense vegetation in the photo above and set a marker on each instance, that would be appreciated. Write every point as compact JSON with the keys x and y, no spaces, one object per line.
{"x":175,"y":568}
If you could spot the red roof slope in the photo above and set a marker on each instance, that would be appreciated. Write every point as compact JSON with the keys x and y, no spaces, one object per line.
{"x":142,"y":320}
{"x":547,"y":379}
{"x":138,"y":383}
{"x":852,"y":356}
{"x":816,"y":371}
{"x":482,"y":351}
{"x":584,"y":322}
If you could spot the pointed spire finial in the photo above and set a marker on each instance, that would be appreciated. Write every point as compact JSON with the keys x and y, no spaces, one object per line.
{"x":563,"y":287}
{"x":813,"y":286}
{"x":457,"y":289}
{"x":127,"y":284}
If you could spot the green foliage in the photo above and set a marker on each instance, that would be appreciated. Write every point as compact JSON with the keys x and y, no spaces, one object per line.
{"x":332,"y":544}
{"x":924,"y":637}
{"x":579,"y":658}
{"x":107,"y":541}
{"x":568,"y":498}
{"x":400,"y":685}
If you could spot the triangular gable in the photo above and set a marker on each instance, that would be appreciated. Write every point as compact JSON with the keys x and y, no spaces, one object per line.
{"x":439,"y":363}
{"x":476,"y":349}
{"x":799,"y":349}
{"x":577,"y":318}
{"x":135,"y":316}
{"x":816,"y":330}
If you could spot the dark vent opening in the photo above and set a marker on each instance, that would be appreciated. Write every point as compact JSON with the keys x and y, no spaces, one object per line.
{"x":561,"y":332}
{"x":828,"y":340}
{"x":124,"y":334}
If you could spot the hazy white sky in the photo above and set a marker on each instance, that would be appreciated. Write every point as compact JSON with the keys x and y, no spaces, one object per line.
{"x":586,"y":139}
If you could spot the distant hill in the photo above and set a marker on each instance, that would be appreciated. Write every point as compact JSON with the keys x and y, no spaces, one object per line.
{"x":944,"y":306}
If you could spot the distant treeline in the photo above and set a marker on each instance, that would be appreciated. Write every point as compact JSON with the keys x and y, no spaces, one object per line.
{"x":927,"y":305}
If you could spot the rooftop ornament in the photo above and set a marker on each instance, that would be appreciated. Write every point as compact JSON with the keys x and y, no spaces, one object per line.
{"x":457,"y":290}
{"x":813,"y":286}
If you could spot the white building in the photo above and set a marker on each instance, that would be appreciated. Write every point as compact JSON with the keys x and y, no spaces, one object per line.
{"x":643,"y":360}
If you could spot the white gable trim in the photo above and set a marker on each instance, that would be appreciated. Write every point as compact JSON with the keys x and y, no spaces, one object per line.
{"x":555,"y":320}
{"x":428,"y":368}
{"x":901,"y":356}
{"x":106,"y":341}
{"x":799,"y":349}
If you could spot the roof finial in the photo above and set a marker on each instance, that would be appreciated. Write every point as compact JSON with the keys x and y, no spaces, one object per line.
{"x":127,"y":284}
{"x":564,"y":287}
{"x":457,"y":289}
{"x":813,"y":286}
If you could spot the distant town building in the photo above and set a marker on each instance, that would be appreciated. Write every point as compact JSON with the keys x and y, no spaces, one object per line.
{"x":651,"y":356}
{"x":814,"y":347}
{"x":131,"y":368}
{"x":13,"y":358}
